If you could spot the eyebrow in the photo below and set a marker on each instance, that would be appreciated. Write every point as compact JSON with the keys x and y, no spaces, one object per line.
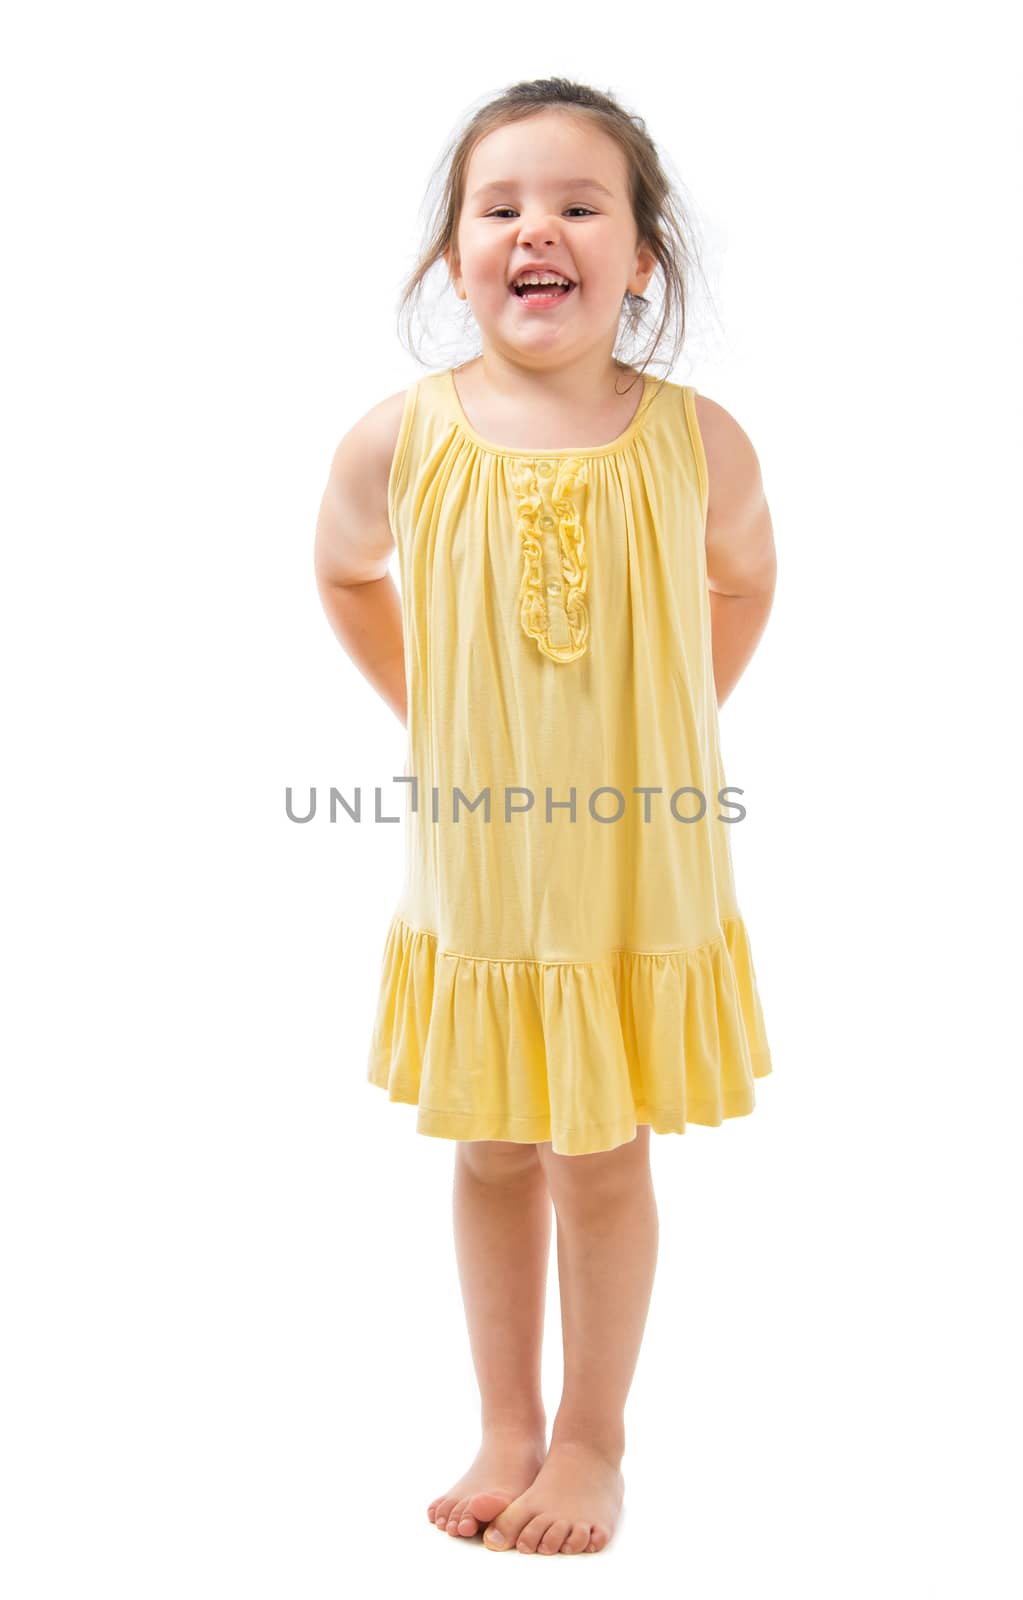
{"x":500,"y":184}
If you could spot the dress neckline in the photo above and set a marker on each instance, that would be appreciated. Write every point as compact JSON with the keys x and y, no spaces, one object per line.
{"x":562,"y":452}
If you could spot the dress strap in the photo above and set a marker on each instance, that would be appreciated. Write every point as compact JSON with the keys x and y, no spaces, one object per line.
{"x":696,"y":444}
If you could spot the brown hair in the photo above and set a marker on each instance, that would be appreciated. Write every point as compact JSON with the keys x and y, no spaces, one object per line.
{"x":660,"y":219}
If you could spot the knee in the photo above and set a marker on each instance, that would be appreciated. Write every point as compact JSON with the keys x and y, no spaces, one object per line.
{"x":497,"y":1160}
{"x":600,"y":1177}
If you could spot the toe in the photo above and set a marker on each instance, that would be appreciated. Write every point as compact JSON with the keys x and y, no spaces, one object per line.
{"x":463,"y":1520}
{"x":488,"y":1504}
{"x":577,"y":1540}
{"x":533,"y":1532}
{"x":441,"y":1511}
{"x":505,"y":1529}
{"x":598,"y":1538}
{"x":554,"y":1538}
{"x":454,"y":1515}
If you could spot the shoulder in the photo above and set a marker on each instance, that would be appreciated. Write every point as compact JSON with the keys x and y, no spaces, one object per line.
{"x":354,"y":541}
{"x":733,"y":468}
{"x":372,"y":440}
{"x":741,"y":554}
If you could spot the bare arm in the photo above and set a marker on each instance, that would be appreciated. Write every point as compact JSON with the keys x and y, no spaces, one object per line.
{"x":741,"y":558}
{"x":353,"y":547}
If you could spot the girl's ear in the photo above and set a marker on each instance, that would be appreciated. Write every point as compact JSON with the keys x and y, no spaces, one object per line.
{"x":453,"y":265}
{"x":646,"y":266}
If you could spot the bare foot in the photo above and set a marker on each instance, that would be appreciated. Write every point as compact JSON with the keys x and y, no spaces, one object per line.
{"x":505,"y":1465}
{"x":570,"y":1507}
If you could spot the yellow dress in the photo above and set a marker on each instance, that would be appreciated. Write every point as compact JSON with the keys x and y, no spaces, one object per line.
{"x":566,"y":966}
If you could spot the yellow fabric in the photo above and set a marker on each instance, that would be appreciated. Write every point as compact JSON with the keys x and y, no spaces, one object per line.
{"x":545,"y":978}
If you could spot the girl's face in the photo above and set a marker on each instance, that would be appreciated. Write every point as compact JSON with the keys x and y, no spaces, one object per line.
{"x":553,"y":189}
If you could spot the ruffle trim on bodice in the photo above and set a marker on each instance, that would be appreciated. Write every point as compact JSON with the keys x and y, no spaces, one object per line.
{"x":577,"y":1053}
{"x":552,"y":538}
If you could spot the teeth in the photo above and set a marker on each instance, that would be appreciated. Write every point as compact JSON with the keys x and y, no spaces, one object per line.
{"x":540,"y":277}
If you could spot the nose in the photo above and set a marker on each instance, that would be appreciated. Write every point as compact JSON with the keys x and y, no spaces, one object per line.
{"x":546,"y":230}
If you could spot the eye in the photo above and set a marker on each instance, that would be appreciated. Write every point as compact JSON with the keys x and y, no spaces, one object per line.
{"x":586,"y":211}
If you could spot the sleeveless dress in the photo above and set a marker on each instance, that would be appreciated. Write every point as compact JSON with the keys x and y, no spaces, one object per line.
{"x":567,"y":958}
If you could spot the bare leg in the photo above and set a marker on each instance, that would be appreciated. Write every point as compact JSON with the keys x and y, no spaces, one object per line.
{"x":502,"y":1218}
{"x":607,"y":1254}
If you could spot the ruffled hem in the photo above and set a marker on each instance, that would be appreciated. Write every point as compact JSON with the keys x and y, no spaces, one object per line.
{"x":575,"y":1053}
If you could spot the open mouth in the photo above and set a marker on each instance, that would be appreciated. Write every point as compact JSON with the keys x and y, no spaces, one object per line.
{"x":541,"y":294}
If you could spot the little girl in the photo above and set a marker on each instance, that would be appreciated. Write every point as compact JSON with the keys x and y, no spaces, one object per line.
{"x":587,"y":564}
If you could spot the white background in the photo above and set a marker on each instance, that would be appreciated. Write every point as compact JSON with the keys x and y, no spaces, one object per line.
{"x":235,"y":1361}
